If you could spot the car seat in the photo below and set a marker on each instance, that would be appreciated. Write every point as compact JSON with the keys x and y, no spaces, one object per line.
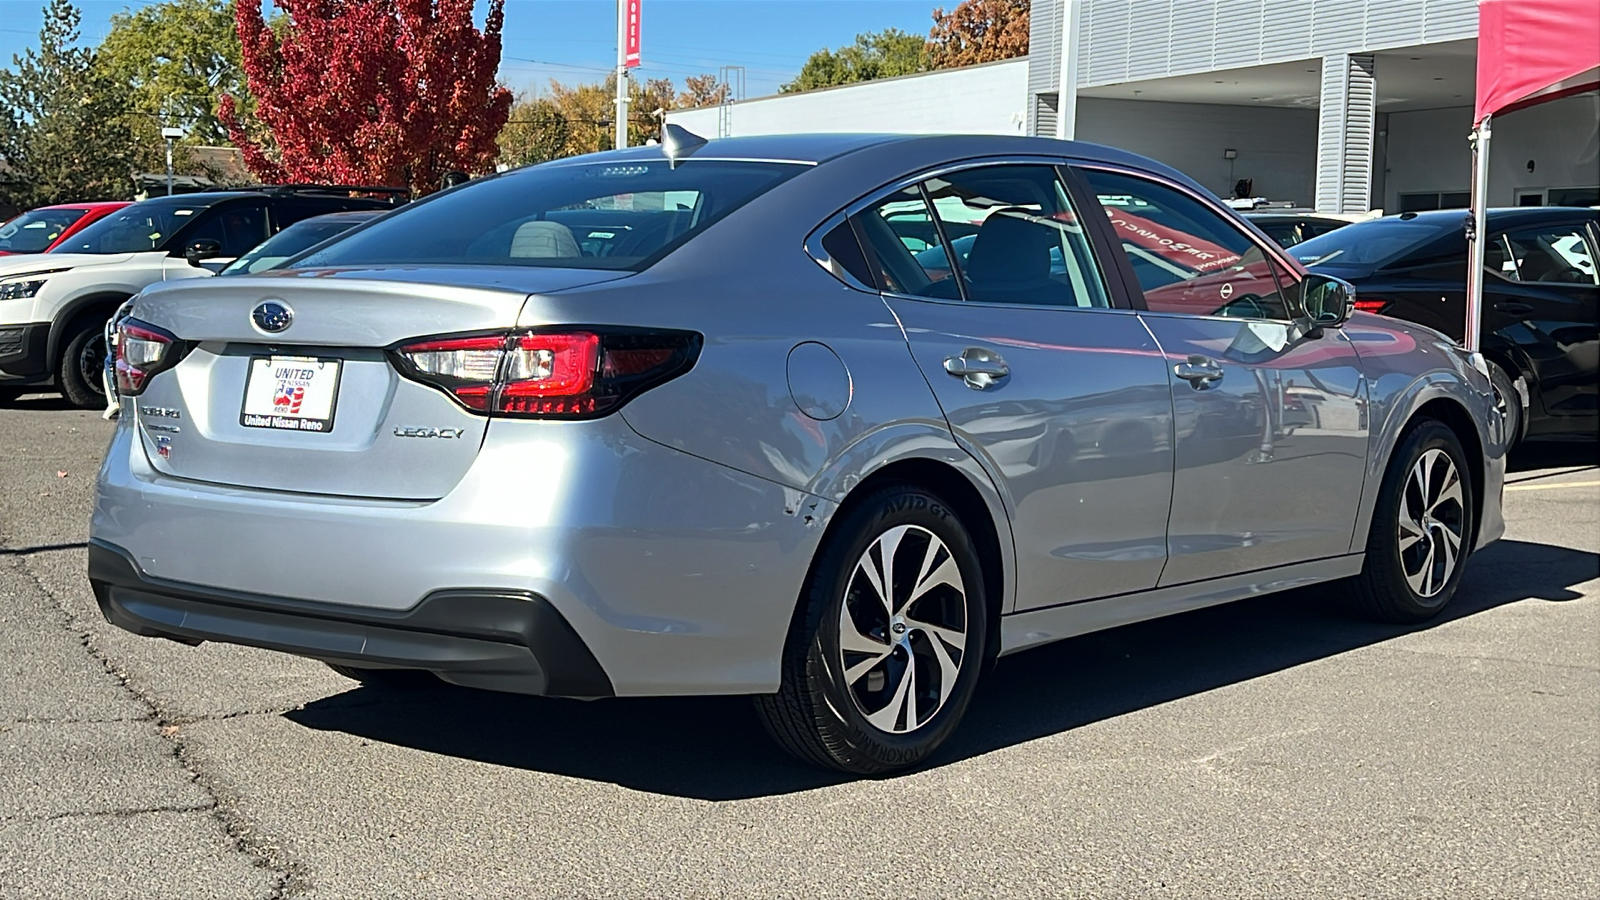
{"x":542,"y":239}
{"x":1010,"y":261}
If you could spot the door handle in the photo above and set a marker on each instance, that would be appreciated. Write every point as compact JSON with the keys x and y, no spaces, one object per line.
{"x":1513,"y":307}
{"x":979,"y":368}
{"x":1200,"y":372}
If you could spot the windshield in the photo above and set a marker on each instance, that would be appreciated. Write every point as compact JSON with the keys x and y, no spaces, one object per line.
{"x":1372,"y":244}
{"x":139,"y":228}
{"x":291,"y":241}
{"x":592,"y":216}
{"x":33,"y":231}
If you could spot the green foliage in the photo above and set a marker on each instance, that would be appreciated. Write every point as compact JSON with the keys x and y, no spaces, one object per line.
{"x":176,"y":59}
{"x":882,"y":54}
{"x":63,"y":125}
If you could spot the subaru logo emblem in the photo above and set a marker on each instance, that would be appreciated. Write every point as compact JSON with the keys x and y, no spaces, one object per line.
{"x":272,"y":316}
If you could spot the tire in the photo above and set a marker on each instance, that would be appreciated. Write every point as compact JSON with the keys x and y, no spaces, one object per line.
{"x":387,"y":678}
{"x":872,"y":689}
{"x":1412,"y":570}
{"x":1510,"y":400}
{"x":79,"y":367}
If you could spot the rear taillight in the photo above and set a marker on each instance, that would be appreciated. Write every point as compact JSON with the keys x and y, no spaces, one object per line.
{"x":142,"y":351}
{"x":565,"y":374}
{"x":1371,"y":305}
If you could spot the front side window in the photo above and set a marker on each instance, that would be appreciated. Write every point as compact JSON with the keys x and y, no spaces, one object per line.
{"x":1552,"y":254}
{"x":992,"y":234}
{"x":1186,"y":256}
{"x":236,"y":229}
{"x":620,"y":216}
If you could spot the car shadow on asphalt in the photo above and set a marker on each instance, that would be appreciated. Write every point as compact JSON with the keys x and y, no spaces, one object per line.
{"x":1533,"y":455}
{"x":715,"y":749}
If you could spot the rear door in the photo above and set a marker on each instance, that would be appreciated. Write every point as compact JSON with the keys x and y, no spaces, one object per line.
{"x":1052,"y":384}
{"x":1270,"y":423}
{"x":1548,"y":306}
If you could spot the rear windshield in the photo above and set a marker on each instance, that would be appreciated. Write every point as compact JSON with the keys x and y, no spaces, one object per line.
{"x":1374,"y":243}
{"x":34,"y":231}
{"x":593,"y":216}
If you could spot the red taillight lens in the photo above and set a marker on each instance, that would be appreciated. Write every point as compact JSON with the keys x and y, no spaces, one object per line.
{"x":1371,"y":305}
{"x":142,"y":351}
{"x":549,"y":374}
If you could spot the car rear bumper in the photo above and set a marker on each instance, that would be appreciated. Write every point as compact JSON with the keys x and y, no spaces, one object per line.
{"x":679,"y":575}
{"x":506,"y":641}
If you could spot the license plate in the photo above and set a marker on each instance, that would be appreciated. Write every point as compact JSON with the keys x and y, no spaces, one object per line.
{"x":292,"y":393}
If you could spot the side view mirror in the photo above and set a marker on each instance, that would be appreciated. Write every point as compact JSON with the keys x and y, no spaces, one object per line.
{"x":201,"y":250}
{"x":1329,"y":301}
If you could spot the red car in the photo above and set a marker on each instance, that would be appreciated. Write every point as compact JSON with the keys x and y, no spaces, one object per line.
{"x":38,"y":230}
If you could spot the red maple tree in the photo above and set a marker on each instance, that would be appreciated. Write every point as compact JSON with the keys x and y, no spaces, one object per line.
{"x":379,"y":92}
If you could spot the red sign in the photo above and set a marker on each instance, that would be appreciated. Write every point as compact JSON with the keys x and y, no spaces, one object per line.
{"x":631,"y":48}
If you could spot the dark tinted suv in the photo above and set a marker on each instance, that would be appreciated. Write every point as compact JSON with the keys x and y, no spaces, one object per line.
{"x":56,"y":304}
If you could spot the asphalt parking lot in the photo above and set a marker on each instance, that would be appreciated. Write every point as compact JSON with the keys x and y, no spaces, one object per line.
{"x":1272,"y":748}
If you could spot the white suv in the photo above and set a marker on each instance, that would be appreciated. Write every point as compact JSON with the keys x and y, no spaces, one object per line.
{"x":54,"y":306}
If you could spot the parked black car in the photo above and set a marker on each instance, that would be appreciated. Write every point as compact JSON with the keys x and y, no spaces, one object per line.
{"x":1292,"y":228}
{"x":1541,"y":299}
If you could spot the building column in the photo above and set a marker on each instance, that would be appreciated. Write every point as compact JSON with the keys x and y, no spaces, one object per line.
{"x":1345,"y":131}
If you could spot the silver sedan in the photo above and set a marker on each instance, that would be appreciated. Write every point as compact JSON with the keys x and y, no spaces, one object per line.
{"x":833,"y":421}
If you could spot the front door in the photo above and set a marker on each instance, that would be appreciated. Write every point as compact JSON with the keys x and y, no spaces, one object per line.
{"x":1271,"y":424}
{"x":1060,"y":394}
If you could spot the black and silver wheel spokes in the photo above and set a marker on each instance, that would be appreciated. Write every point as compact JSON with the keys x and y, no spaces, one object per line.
{"x":1432,"y":521}
{"x":903,"y":629}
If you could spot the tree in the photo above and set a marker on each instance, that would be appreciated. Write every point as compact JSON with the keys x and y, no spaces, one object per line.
{"x":978,"y":31}
{"x":395,"y":92}
{"x":571,"y":120}
{"x":702,"y":90}
{"x":882,"y":54}
{"x":64,"y":133}
{"x":176,"y":60}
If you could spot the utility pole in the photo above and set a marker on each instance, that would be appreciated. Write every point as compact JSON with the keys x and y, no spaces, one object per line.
{"x":622,"y":72}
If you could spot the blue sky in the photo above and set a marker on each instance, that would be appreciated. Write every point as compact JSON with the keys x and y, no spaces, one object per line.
{"x":575,"y":40}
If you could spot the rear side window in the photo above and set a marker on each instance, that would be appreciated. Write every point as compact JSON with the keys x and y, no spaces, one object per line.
{"x":1554,"y":253}
{"x":594,"y":216}
{"x":991,"y":234}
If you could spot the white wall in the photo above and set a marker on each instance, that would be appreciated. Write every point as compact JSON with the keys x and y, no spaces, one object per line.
{"x":1277,"y":147}
{"x":1428,"y":150}
{"x":986,"y":99}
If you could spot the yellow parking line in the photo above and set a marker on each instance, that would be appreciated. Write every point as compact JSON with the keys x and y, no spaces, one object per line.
{"x":1547,"y":487}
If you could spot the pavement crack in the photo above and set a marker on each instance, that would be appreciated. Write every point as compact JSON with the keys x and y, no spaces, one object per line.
{"x":290,"y":878}
{"x":126,"y":813}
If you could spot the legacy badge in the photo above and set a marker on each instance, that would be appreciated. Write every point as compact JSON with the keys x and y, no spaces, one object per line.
{"x":446,"y":433}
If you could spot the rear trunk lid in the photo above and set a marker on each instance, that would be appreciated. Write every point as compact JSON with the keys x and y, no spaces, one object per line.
{"x":317,"y":407}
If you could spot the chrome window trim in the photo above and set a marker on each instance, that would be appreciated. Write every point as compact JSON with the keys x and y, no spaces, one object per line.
{"x":813,"y":241}
{"x":814,"y":249}
{"x":1270,"y":248}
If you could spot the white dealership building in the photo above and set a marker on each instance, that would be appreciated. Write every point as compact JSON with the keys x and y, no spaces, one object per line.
{"x":1344,"y":105}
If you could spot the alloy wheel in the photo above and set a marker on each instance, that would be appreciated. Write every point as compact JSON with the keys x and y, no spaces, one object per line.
{"x":1432,"y":520}
{"x":903,"y":629}
{"x":92,"y":363}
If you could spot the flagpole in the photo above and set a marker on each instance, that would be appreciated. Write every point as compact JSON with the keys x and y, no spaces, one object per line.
{"x":1477,"y":247}
{"x":622,"y":74}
